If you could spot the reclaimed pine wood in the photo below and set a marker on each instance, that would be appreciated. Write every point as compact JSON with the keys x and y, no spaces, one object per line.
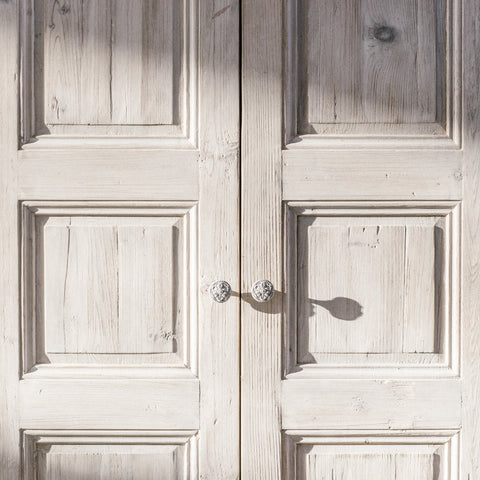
{"x":219,"y":326}
{"x":261,"y":242}
{"x":9,"y":246}
{"x":470,"y":460}
{"x":116,"y":262}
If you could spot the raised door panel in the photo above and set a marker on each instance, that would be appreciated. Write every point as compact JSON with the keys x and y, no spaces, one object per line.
{"x":373,"y":284}
{"x":381,"y":68}
{"x":432,"y":456}
{"x":109,"y":68}
{"x":107,"y":456}
{"x":108,"y":284}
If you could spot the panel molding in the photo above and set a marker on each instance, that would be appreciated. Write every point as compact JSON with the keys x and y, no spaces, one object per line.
{"x":34,"y":440}
{"x":115,"y":365}
{"x":421,"y":135}
{"x":404,"y":440}
{"x":444,"y":364}
{"x":181,"y":136}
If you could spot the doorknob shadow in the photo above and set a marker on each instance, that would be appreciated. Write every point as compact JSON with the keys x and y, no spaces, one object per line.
{"x":273,"y":307}
{"x":342,"y":308}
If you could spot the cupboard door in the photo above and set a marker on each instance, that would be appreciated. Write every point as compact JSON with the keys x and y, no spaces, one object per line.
{"x":360,"y":205}
{"x":119,"y":199}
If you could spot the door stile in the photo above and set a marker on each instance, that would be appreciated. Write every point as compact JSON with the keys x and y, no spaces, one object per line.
{"x":261,"y":247}
{"x":9,"y":330}
{"x":219,"y":239}
{"x":470,"y":440}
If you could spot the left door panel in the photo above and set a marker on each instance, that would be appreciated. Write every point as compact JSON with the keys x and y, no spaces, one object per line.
{"x":119,"y":125}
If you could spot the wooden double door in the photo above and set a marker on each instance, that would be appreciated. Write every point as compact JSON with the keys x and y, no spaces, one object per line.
{"x":151,"y":148}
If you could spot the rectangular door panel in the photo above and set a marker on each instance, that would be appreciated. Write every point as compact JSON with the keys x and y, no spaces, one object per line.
{"x":370,"y":68}
{"x":109,"y":68}
{"x":331,"y":455}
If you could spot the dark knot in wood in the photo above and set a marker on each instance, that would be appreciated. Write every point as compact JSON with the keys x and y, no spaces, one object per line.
{"x":384,"y":34}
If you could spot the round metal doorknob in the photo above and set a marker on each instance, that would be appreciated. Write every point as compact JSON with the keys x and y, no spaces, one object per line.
{"x":262,"y":291}
{"x":220,"y":291}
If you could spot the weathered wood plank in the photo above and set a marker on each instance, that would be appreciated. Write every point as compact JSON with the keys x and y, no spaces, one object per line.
{"x":261,"y":237}
{"x":108,"y":174}
{"x":219,"y":324}
{"x":134,"y":404}
{"x":471,"y":246}
{"x":9,"y":249}
{"x":381,"y":175}
{"x":373,"y":404}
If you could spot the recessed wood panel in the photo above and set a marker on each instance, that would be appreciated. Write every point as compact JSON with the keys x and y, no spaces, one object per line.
{"x":103,"y":457}
{"x":372,"y":288}
{"x":108,"y":68}
{"x":108,"y":286}
{"x":372,"y":67}
{"x":396,"y":457}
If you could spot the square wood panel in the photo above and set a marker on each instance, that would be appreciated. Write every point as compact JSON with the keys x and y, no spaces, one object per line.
{"x":108,"y":284}
{"x":372,"y":285}
{"x":109,"y":455}
{"x":373,"y":68}
{"x":399,"y":456}
{"x":108,"y":68}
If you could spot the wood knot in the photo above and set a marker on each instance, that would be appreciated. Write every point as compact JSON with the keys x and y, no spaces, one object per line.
{"x":384,"y":34}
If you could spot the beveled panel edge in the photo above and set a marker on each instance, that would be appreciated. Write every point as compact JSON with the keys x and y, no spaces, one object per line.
{"x":31,"y":438}
{"x":29,"y":210}
{"x":450,"y":364}
{"x":184,"y":136}
{"x":291,"y":439}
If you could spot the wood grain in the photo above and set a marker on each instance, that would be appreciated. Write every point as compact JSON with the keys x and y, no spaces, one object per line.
{"x":9,"y":248}
{"x":374,"y":404}
{"x":219,"y":362}
{"x":111,"y":62}
{"x":81,"y":404}
{"x":261,"y":244}
{"x":470,"y":466}
{"x":346,"y":75}
{"x":375,"y":175}
{"x":108,"y":174}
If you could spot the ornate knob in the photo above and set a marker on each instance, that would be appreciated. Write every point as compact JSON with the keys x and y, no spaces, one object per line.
{"x":220,"y":291}
{"x":262,"y":291}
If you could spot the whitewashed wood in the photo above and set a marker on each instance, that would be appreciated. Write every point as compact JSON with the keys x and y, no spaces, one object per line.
{"x":110,"y":62}
{"x":261,"y":243}
{"x":135,"y":404}
{"x":138,"y":59}
{"x":145,"y":64}
{"x":389,"y":264}
{"x":470,"y":460}
{"x":9,"y":332}
{"x":429,"y":454}
{"x":359,"y":94}
{"x":137,"y":256}
{"x":373,"y":175}
{"x":109,"y":462}
{"x":219,"y":324}
{"x":118,"y":279}
{"x":348,"y":76}
{"x":110,"y":454}
{"x":120,"y":171}
{"x":108,"y":174}
{"x":375,"y":165}
{"x":373,"y":404}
